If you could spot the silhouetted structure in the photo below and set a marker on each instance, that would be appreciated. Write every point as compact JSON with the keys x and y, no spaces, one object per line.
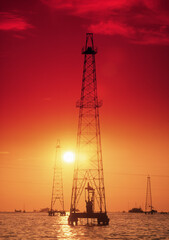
{"x":57,"y":200}
{"x":136,"y":210}
{"x":148,"y":204}
{"x":88,"y":180}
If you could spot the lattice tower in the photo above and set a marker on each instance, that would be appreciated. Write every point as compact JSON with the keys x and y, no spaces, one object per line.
{"x":148,"y":203}
{"x":88,"y":171}
{"x":57,"y":200}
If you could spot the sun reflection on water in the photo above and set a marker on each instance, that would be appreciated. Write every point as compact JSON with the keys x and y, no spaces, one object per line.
{"x":122,"y":226}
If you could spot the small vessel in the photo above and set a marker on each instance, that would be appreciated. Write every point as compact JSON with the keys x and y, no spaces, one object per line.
{"x":136,"y":210}
{"x":18,"y":211}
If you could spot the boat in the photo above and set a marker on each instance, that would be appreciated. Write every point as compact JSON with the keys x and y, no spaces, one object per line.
{"x":135,"y":210}
{"x":18,"y":211}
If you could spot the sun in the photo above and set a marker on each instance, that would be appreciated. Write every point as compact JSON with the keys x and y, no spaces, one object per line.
{"x":69,"y":157}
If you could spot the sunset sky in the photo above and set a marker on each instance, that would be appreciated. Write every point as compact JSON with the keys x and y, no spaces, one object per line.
{"x":40,"y":81}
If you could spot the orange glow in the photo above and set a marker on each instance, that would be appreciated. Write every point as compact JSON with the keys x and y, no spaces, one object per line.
{"x":69,"y":157}
{"x":41,"y":69}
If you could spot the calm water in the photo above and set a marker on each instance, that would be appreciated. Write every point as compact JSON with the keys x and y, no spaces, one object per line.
{"x":122,"y":226}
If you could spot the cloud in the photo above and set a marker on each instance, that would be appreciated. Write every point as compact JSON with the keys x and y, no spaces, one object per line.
{"x":111,"y":28}
{"x":86,"y":6}
{"x":140,"y":21}
{"x":13,"y":22}
{"x":59,"y":4}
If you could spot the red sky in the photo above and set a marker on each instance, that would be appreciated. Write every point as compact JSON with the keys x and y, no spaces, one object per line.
{"x":41,"y":72}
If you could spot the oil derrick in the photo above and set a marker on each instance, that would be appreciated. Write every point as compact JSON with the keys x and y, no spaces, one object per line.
{"x":88,"y":192}
{"x":148,"y":204}
{"x":57,"y":200}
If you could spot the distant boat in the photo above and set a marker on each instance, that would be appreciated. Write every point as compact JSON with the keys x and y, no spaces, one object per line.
{"x":44,"y":210}
{"x":18,"y":211}
{"x":151,"y":212}
{"x":136,"y":210}
{"x":163,"y":212}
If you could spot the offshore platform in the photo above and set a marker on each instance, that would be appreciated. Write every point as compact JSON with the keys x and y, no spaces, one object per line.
{"x":57,"y":200}
{"x":148,"y":204}
{"x":88,"y":191}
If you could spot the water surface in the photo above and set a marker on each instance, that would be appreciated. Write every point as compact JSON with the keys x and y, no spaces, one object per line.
{"x":25,"y":226}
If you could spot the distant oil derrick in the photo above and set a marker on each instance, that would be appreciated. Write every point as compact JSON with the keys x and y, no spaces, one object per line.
{"x":57,"y":200}
{"x":88,"y":192}
{"x":148,"y":204}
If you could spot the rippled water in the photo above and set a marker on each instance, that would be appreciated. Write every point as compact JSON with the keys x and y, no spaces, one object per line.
{"x":122,"y":226}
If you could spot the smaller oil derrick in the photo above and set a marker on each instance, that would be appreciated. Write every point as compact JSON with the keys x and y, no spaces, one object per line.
{"x":148,"y":204}
{"x":57,"y":200}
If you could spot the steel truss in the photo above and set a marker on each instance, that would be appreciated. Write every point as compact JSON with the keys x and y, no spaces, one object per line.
{"x":57,"y":200}
{"x":88,"y":169}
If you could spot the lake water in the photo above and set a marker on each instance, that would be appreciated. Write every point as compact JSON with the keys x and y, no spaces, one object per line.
{"x":122,"y":226}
